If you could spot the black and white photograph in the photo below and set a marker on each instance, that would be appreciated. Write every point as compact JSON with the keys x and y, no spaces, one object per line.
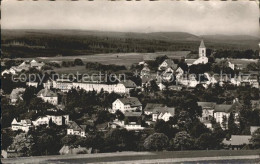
{"x":130,"y":82}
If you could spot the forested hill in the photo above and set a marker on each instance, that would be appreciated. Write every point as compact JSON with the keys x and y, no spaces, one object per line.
{"x":34,"y":43}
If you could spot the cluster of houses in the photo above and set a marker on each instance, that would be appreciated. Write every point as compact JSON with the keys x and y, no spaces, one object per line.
{"x":24,"y":66}
{"x":137,"y":116}
{"x":169,"y":71}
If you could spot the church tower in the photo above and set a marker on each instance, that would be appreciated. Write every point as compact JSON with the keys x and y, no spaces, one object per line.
{"x":202,"y":49}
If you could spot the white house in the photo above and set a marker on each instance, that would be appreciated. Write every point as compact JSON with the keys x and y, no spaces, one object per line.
{"x":126,"y":104}
{"x":159,"y":111}
{"x":202,"y":56}
{"x":224,"y":110}
{"x":23,"y":125}
{"x":58,"y":117}
{"x":75,"y":129}
{"x":48,"y":95}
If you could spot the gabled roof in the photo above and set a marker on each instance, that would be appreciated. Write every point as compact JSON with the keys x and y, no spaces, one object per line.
{"x":128,"y":83}
{"x":170,"y":63}
{"x":202,"y":44}
{"x":73,"y":125}
{"x":146,"y":68}
{"x":236,"y":140}
{"x":146,"y":79}
{"x":132,"y":101}
{"x":223,"y":108}
{"x":47,"y":93}
{"x":207,"y":104}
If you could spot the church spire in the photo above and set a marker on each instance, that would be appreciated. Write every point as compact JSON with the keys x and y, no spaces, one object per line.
{"x":202,"y":44}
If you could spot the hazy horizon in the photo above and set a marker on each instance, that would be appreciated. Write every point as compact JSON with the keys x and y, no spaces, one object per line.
{"x":197,"y":17}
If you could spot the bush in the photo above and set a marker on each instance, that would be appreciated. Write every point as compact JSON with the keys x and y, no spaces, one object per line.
{"x":156,"y":141}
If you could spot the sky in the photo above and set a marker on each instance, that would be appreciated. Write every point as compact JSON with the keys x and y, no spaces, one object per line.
{"x":197,"y":17}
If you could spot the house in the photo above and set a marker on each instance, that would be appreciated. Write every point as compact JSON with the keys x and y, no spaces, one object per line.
{"x":127,"y":104}
{"x":145,"y":71}
{"x":64,"y":84}
{"x":202,"y":56}
{"x":224,"y":110}
{"x":159,"y":111}
{"x":129,"y":85}
{"x":179,"y":72}
{"x":41,"y":120}
{"x":133,"y":121}
{"x":48,"y":95}
{"x":48,"y":83}
{"x":37,"y":65}
{"x":253,"y":129}
{"x":58,"y":117}
{"x":167,"y":63}
{"x":207,"y":112}
{"x":23,"y":125}
{"x":168,"y":74}
{"x":237,"y":141}
{"x":151,"y":107}
{"x":255,"y":104}
{"x":75,"y":129}
{"x":12,"y":71}
{"x":16,"y":95}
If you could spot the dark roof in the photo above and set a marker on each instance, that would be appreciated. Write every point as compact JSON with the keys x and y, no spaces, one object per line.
{"x":223,"y":108}
{"x":47,"y":93}
{"x":56,"y":113}
{"x":151,"y":106}
{"x":132,"y":101}
{"x":159,"y":108}
{"x":128,"y":83}
{"x":73,"y":125}
{"x":202,"y":44}
{"x":133,"y":114}
{"x":207,"y":104}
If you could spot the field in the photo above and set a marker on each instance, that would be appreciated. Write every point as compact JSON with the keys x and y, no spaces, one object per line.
{"x":213,"y":156}
{"x":42,"y":43}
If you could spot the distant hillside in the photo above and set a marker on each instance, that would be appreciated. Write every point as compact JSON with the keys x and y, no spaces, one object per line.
{"x":35,"y":43}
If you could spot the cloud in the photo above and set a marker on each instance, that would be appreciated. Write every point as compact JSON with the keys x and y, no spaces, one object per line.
{"x":197,"y":17}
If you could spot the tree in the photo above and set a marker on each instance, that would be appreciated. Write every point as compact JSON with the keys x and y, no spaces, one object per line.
{"x":153,"y":86}
{"x":78,"y":62}
{"x":183,"y":141}
{"x":156,"y":141}
{"x":198,"y":129}
{"x":28,"y":94}
{"x":206,"y":141}
{"x":224,"y":122}
{"x":232,"y":126}
{"x":255,"y":140}
{"x":120,"y":115}
{"x":23,"y":143}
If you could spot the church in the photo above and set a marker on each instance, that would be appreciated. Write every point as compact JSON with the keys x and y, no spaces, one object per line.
{"x":202,"y":56}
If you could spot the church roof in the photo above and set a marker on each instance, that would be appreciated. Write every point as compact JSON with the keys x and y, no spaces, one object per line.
{"x":202,"y":44}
